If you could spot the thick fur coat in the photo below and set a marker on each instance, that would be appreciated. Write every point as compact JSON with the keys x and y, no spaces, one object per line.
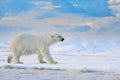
{"x":27,"y":44}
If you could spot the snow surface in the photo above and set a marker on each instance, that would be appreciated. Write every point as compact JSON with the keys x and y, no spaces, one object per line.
{"x":73,"y":54}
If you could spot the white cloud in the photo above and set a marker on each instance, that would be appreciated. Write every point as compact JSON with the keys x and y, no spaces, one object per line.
{"x":29,"y":19}
{"x":8,"y":18}
{"x":41,"y":3}
{"x":114,"y":1}
{"x":115,"y":6}
{"x":45,"y":5}
{"x":75,"y":5}
{"x":51,"y":7}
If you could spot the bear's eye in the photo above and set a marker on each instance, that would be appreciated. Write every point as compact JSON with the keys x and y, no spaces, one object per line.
{"x":52,"y":36}
{"x":59,"y":36}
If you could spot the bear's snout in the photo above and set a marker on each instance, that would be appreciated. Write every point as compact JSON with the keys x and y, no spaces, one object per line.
{"x":62,"y":39}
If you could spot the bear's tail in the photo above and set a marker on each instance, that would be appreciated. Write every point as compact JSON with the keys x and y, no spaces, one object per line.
{"x":9,"y":58}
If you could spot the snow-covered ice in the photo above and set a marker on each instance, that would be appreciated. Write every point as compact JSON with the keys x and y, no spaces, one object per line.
{"x":73,"y":54}
{"x":32,"y":74}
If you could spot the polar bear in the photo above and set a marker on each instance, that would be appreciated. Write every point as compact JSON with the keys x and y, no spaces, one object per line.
{"x":26,"y":44}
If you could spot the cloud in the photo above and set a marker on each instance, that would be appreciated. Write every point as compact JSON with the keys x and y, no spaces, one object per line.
{"x":107,"y":26}
{"x":9,"y":29}
{"x":113,"y":2}
{"x":115,"y":6}
{"x":117,"y":31}
{"x":102,"y":30}
{"x":37,"y":3}
{"x":93,"y":8}
{"x":62,"y":23}
{"x":87,"y":22}
{"x":74,"y":28}
{"x":44,"y":5}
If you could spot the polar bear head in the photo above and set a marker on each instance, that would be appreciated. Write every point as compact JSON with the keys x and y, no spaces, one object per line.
{"x":50,"y":39}
{"x":57,"y":37}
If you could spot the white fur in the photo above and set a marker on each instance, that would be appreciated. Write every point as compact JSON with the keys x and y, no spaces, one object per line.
{"x":27,"y":44}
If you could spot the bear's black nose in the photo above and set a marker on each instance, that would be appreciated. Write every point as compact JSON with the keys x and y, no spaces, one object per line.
{"x":62,"y":39}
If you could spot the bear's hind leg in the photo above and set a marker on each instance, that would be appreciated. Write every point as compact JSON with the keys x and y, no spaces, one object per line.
{"x":17,"y":59}
{"x":9,"y":58}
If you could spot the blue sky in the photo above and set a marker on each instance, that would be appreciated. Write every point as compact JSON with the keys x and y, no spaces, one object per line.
{"x":83,"y":18}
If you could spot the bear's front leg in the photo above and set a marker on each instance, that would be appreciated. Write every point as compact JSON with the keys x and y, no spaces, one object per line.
{"x":40,"y":58}
{"x":45,"y":53}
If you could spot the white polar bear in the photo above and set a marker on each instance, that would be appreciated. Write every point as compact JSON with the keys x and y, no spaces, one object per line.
{"x":27,"y":44}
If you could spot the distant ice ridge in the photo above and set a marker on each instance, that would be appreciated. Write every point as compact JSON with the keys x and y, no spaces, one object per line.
{"x":4,"y":44}
{"x":79,"y":44}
